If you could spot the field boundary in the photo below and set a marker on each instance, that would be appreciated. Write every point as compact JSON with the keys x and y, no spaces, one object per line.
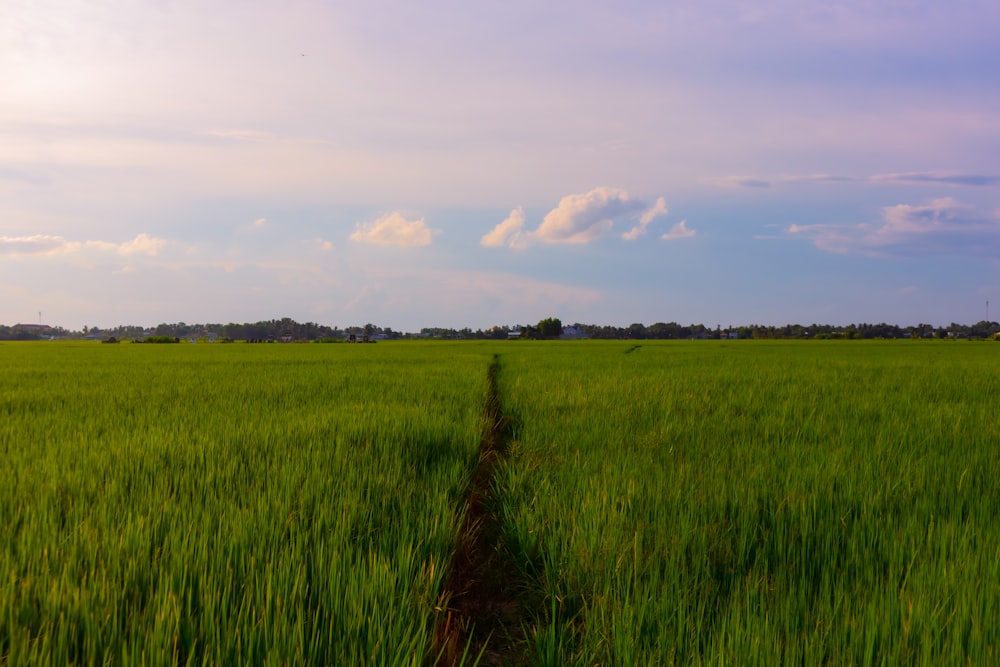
{"x":481,"y":618}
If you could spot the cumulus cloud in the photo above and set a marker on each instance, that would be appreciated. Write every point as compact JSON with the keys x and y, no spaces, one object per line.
{"x":578,"y":219}
{"x":656,"y":210}
{"x":943,"y":226}
{"x":679,"y":231}
{"x":582,"y":218}
{"x":393,"y":229}
{"x":510,"y":232}
{"x":48,"y":245}
{"x":143,"y":243}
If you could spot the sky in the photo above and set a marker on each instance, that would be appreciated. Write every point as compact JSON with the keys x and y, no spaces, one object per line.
{"x":453,"y":164}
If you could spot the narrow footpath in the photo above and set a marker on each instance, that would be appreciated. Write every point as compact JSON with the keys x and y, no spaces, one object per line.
{"x":482,"y":615}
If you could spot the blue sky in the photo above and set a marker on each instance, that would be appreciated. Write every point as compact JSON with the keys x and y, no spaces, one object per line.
{"x":471,"y":164}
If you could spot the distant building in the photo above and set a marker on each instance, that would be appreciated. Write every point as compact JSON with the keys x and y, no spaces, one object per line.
{"x":41,"y":331}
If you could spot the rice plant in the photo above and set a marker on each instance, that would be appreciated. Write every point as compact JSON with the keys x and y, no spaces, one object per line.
{"x":757,"y":503}
{"x":235,"y":504}
{"x":685,"y":503}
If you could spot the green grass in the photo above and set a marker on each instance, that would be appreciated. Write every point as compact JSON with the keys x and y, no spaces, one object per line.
{"x":764,"y":503}
{"x":689,"y":503}
{"x":229,"y":504}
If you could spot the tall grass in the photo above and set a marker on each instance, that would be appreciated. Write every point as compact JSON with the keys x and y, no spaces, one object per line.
{"x":669,"y":503}
{"x":229,"y":504}
{"x":757,"y":504}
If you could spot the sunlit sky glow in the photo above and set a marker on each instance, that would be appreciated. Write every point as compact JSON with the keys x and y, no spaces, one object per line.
{"x":478,"y":163}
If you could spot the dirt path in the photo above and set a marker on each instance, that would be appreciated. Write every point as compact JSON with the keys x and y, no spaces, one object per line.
{"x":483,"y":615}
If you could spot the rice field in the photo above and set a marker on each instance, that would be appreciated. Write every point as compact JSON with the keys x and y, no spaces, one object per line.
{"x":689,"y":503}
{"x":196,"y":504}
{"x":757,"y":503}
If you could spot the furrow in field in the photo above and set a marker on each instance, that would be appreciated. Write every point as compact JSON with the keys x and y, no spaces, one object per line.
{"x":482,"y":616}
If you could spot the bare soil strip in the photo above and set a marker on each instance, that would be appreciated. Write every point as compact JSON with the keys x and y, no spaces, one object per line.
{"x":481,"y":613}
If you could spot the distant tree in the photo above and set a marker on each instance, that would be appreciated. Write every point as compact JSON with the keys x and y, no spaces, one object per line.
{"x":665,"y":330}
{"x":982,"y":329}
{"x":636,"y":330}
{"x":550,"y":327}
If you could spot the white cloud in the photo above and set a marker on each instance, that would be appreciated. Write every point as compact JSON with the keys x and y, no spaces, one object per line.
{"x":323,"y":244}
{"x":47,"y":245}
{"x":259,"y":222}
{"x":944,"y":226}
{"x":655,"y":211}
{"x":143,"y":243}
{"x":36,"y":244}
{"x":833,"y":238}
{"x":393,"y":229}
{"x":582,"y":218}
{"x":509,"y":232}
{"x":679,"y":231}
{"x":907,"y":219}
{"x":578,"y":219}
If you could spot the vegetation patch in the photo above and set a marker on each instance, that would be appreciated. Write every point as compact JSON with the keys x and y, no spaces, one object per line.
{"x":231,"y":504}
{"x":753,"y":503}
{"x":159,"y":340}
{"x":777,"y":503}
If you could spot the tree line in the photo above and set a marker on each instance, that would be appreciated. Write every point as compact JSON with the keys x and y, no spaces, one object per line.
{"x":672,"y":330}
{"x":548,"y":328}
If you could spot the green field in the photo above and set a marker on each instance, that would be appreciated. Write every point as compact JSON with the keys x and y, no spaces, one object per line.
{"x":758,"y":503}
{"x":690,"y":503}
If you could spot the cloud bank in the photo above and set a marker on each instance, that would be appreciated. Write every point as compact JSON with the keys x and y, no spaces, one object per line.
{"x":46,"y":245}
{"x":946,"y":178}
{"x":941,"y":227}
{"x":393,"y":229}
{"x":903,"y":178}
{"x":579,"y":219}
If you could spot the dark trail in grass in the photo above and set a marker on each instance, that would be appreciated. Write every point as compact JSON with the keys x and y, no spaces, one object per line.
{"x":632,"y":349}
{"x":481,"y":615}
